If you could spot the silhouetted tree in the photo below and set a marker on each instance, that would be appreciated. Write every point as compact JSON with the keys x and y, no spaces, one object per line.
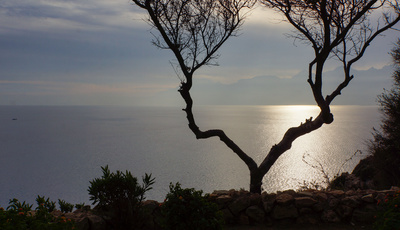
{"x":195,"y":29}
{"x":385,"y":146}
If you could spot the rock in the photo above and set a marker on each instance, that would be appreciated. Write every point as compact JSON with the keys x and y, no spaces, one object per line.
{"x":96,"y":222}
{"x":284,"y":211}
{"x":220,"y":192}
{"x":255,"y":199}
{"x":380,"y":197}
{"x":303,"y":211}
{"x":223,"y":199}
{"x":330,"y":216}
{"x":244,"y":220}
{"x":321,"y":196}
{"x":255,"y":213}
{"x":352,"y":182}
{"x":228,"y":216}
{"x":284,"y":199}
{"x":307,"y":194}
{"x":307,"y":219}
{"x":352,"y":201}
{"x":86,"y":220}
{"x":395,"y":188}
{"x":302,"y":202}
{"x":239,"y":205}
{"x":365,"y":215}
{"x":268,"y":201}
{"x":350,"y":193}
{"x":337,"y":193}
{"x":344,"y":211}
{"x":388,"y":192}
{"x":368,"y":198}
{"x":318,"y":207}
{"x":333,"y":203}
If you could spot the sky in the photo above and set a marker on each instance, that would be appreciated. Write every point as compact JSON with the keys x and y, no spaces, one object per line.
{"x":99,"y":52}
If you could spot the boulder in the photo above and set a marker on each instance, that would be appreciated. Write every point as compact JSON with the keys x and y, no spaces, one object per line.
{"x":255,"y":199}
{"x":268,"y":201}
{"x":302,"y":202}
{"x":86,"y":220}
{"x":96,"y":222}
{"x":255,"y":213}
{"x":321,"y":196}
{"x":284,"y":199}
{"x":333,"y":203}
{"x":344,"y":211}
{"x":223,"y":199}
{"x":368,"y":198}
{"x":243,"y":219}
{"x":336,"y":193}
{"x":239,"y":205}
{"x":303,"y":193}
{"x":284,"y":211}
{"x":330,"y":216}
{"x":220,"y":192}
{"x":351,"y":201}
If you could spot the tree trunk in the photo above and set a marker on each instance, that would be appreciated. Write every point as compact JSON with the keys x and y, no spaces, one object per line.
{"x":256,"y":181}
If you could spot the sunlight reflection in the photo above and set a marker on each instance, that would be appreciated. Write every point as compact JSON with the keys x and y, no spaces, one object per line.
{"x":321,"y":144}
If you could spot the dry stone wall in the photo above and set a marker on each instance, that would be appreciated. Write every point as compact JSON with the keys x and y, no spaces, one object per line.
{"x":357,"y":207}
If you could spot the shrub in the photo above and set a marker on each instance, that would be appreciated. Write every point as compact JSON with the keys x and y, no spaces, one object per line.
{"x":65,"y":206}
{"x":19,"y":216}
{"x":389,"y":216}
{"x":119,"y":196}
{"x":189,"y":209}
{"x":80,"y":205}
{"x":385,"y":146}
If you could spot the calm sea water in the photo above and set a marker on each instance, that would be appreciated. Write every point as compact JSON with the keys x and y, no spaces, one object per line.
{"x":55,"y":151}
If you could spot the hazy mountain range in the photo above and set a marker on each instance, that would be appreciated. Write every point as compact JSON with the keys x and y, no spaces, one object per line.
{"x":271,"y":90}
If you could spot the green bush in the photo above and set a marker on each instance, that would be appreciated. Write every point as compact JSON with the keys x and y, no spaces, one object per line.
{"x":189,"y":209}
{"x":389,"y":216}
{"x":19,"y":216}
{"x":65,"y":206}
{"x":80,"y":205}
{"x":119,"y":196}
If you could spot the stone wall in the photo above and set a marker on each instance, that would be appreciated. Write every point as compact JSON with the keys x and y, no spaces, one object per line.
{"x":307,"y":207}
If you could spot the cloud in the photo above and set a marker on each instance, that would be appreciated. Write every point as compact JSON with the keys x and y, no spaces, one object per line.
{"x":57,"y":15}
{"x":64,"y":51}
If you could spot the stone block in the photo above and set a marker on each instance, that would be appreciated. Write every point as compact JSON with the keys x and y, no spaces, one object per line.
{"x":255,"y":213}
{"x":302,"y":202}
{"x":284,"y":211}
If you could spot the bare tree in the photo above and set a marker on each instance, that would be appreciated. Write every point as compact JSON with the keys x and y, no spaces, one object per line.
{"x":194,"y":30}
{"x":342,"y":29}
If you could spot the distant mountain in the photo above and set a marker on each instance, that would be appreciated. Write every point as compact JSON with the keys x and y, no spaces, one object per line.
{"x":271,"y":90}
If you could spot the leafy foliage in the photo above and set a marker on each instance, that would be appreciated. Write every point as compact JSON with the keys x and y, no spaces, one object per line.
{"x":389,"y":217}
{"x":65,"y":206}
{"x":19,"y":216}
{"x":189,"y":209}
{"x":120,"y":195}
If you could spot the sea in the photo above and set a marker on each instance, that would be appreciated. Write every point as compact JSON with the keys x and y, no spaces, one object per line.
{"x":55,"y":151}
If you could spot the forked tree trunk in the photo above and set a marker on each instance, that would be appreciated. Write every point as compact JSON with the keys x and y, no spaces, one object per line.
{"x":257,"y":173}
